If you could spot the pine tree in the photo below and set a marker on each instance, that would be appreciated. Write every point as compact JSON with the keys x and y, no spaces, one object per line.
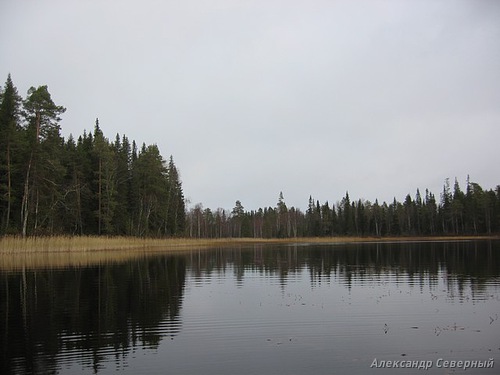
{"x":43,"y":171}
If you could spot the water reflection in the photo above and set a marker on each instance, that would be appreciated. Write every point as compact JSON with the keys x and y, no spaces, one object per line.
{"x":462,"y":263}
{"x":54,"y":318}
{"x":86,"y":313}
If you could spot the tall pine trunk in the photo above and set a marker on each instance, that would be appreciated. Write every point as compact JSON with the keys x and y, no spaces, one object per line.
{"x":25,"y":201}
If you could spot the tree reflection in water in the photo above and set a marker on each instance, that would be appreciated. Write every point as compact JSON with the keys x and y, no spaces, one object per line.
{"x":52,"y":317}
{"x":88,"y":310}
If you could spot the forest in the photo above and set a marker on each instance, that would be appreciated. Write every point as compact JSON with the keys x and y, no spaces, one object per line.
{"x":473,"y":212}
{"x":86,"y":186}
{"x":91,"y":185}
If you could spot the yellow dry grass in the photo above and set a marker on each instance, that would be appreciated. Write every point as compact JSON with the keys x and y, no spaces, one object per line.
{"x":60,"y":251}
{"x":57,"y":244}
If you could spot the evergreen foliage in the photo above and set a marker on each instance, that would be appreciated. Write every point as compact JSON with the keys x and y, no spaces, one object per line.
{"x":91,"y":186}
{"x":476,"y":212}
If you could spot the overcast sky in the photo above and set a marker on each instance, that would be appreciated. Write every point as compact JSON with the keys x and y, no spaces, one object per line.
{"x":251,"y":97}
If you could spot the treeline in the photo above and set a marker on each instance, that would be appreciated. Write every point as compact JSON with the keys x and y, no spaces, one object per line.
{"x":89,"y":186}
{"x":93,"y":186}
{"x":473,"y":212}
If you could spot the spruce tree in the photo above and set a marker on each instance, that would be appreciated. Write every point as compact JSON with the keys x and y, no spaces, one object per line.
{"x":176,"y":210}
{"x":10,"y":106}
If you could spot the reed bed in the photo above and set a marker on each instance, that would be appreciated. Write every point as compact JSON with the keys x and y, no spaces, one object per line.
{"x":58,"y":244}
{"x":61,"y":244}
{"x":60,"y":252}
{"x":72,"y":244}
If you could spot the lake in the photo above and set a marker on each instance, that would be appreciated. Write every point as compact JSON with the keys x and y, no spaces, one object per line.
{"x":372,"y":308}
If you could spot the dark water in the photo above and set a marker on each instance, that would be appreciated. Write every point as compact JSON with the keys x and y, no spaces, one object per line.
{"x":342,"y":309}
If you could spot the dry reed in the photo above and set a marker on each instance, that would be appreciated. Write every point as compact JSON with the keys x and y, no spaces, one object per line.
{"x":57,"y":244}
{"x":60,"y":251}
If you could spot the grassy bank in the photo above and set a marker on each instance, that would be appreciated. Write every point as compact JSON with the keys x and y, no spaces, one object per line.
{"x":58,"y":244}
{"x":62,"y":244}
{"x":59,"y":252}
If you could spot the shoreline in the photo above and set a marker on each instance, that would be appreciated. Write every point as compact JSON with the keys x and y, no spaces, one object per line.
{"x":84,"y":244}
{"x":17,"y":253}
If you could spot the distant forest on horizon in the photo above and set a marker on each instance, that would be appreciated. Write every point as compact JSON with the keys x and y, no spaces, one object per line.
{"x":93,"y":186}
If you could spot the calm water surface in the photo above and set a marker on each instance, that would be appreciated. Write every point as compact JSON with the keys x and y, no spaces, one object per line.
{"x":329,"y":309}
